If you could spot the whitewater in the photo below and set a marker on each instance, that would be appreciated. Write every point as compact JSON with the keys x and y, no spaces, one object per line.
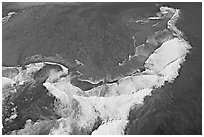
{"x":107,"y":106}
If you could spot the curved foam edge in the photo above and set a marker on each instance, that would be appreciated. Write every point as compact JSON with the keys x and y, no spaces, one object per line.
{"x":115,"y":127}
{"x":65,"y":69}
{"x":6,"y":18}
{"x":163,"y":65}
{"x":7,"y":82}
{"x":173,"y":52}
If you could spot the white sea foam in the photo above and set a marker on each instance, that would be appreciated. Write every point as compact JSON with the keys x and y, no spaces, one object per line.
{"x":13,"y":113}
{"x":115,"y":107}
{"x":63,"y":90}
{"x":170,"y":72}
{"x":6,"y":82}
{"x":33,"y":67}
{"x":65,"y":69}
{"x":169,"y":51}
{"x":106,"y":108}
{"x":119,"y":98}
{"x":63,"y":97}
{"x":115,"y":127}
{"x":25,"y":75}
{"x":32,"y":128}
{"x":64,"y":127}
{"x":6,"y":18}
{"x":163,"y":63}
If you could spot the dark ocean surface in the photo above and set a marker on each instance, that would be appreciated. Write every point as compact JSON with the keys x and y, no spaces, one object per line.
{"x":176,"y":108}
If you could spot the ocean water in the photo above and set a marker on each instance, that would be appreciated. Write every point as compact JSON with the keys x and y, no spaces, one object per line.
{"x":173,"y":109}
{"x":177,"y":108}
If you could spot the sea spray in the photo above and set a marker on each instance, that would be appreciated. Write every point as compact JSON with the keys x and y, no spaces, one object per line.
{"x":113,"y":108}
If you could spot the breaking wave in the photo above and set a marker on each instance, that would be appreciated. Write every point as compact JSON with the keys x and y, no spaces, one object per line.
{"x":105,"y":108}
